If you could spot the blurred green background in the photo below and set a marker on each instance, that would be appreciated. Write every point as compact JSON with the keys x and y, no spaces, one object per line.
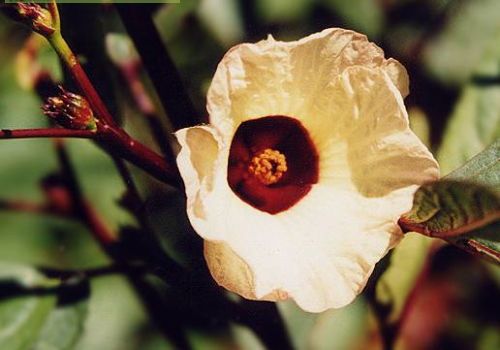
{"x":451,"y":49}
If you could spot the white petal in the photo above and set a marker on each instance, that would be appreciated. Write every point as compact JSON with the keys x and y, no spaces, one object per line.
{"x":383,"y":153}
{"x":320,"y":252}
{"x":288,"y":78}
{"x":228,"y":269}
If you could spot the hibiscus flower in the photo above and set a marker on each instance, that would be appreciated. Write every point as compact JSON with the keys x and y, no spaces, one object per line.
{"x":297,"y":183}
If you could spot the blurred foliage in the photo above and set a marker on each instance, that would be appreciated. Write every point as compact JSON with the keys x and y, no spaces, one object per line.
{"x":39,"y":319}
{"x":477,"y":113}
{"x":450,"y":48}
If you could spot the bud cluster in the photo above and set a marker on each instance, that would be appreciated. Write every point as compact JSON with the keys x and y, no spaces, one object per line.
{"x":37,"y":17}
{"x":70,"y":110}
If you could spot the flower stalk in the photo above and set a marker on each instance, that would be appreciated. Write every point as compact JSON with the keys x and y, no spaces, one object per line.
{"x":110,"y":136}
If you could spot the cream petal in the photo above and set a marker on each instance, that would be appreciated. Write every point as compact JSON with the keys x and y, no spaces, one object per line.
{"x":320,"y":268}
{"x":228,"y":269}
{"x":320,"y":252}
{"x":196,"y":160}
{"x":383,"y":153}
{"x":398,"y":75}
{"x":288,"y":78}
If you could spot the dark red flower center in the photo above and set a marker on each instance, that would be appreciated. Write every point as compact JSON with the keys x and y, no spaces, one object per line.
{"x":273,"y":163}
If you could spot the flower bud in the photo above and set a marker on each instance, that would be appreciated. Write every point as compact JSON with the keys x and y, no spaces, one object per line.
{"x":37,"y":17}
{"x":70,"y":110}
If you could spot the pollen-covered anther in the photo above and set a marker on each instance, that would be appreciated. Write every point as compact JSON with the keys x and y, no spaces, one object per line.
{"x":269,"y":166}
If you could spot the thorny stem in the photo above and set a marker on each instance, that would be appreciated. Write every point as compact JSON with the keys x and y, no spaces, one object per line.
{"x":45,"y":132}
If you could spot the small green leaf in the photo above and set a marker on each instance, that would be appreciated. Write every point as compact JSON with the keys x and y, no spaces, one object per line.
{"x":451,"y":208}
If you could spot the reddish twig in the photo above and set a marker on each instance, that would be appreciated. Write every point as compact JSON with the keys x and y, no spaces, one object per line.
{"x":139,"y":23}
{"x":45,"y":132}
{"x":119,"y":143}
{"x":111,"y":136}
{"x":25,"y":207}
{"x":82,"y":208}
{"x":130,"y":72}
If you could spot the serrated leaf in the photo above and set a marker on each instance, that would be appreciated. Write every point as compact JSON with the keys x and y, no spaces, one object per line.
{"x":451,"y":208}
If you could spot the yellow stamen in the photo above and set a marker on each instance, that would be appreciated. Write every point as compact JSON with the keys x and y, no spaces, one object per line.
{"x":269,"y":166}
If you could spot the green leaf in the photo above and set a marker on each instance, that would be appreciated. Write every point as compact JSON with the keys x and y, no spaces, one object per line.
{"x":21,"y":317}
{"x":419,"y":124}
{"x":407,"y":260}
{"x":463,"y":208}
{"x":332,"y":329}
{"x":365,"y":16}
{"x":221,"y":18}
{"x":483,"y":169}
{"x":170,"y":19}
{"x":454,"y":54}
{"x":39,"y":313}
{"x":475,"y":121}
{"x":63,"y":327}
{"x":484,"y":242}
{"x":279,"y":11}
{"x":451,"y":208}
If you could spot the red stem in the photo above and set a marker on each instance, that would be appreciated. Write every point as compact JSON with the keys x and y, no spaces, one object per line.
{"x":118,"y":142}
{"x":83,"y":209}
{"x":111,"y":136}
{"x":130,"y":72}
{"x":45,"y":132}
{"x":25,"y":207}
